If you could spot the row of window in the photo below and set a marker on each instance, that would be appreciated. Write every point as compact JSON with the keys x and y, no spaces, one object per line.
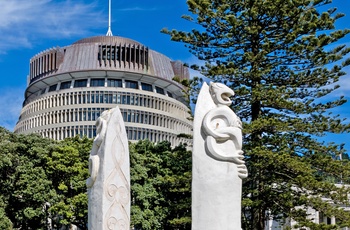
{"x":106,"y":97}
{"x":101,"y":82}
{"x":133,"y":134}
{"x":126,"y":55}
{"x":42,"y":65}
{"x":91,"y":114}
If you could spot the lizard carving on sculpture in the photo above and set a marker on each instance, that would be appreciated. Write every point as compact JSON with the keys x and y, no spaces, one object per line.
{"x":223,"y":128}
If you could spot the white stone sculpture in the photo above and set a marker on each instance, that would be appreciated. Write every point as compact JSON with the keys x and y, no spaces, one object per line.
{"x":109,"y":182}
{"x":217,"y":162}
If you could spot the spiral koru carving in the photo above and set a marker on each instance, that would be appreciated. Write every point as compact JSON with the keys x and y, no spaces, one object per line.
{"x":223,"y":130}
{"x":117,"y":192}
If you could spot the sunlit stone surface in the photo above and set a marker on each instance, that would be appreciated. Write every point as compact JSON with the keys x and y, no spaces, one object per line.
{"x":218,"y":165}
{"x":109,"y":181}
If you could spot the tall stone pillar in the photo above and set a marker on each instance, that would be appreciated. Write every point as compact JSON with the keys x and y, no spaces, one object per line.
{"x":109,"y":182}
{"x":217,"y":161}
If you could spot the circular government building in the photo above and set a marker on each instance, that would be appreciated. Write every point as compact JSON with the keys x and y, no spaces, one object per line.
{"x":69,"y":88}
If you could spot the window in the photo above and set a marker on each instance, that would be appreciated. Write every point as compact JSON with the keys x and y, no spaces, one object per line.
{"x":160,"y":90}
{"x":97,"y":82}
{"x":170,"y":94}
{"x":114,"y":83}
{"x":80,"y":83}
{"x":108,"y":52}
{"x":65,"y":85}
{"x":131,"y":84}
{"x":130,"y":54}
{"x":90,"y":131}
{"x":146,"y":87}
{"x":52,"y":88}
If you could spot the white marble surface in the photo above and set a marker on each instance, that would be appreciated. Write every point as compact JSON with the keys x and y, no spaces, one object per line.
{"x":218,"y":165}
{"x":109,"y":182}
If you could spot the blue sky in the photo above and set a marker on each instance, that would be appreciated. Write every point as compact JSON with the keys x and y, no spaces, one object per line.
{"x":28,"y":27}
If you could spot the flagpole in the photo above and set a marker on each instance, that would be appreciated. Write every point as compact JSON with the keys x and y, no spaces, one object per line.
{"x":109,"y":32}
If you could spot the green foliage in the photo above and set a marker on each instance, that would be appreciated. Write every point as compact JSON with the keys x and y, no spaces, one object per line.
{"x":67,"y":168}
{"x":185,"y":82}
{"x":41,"y":178}
{"x":25,"y":187}
{"x":160,"y":186}
{"x":281,"y":59}
{"x":176,"y":186}
{"x":5,"y":222}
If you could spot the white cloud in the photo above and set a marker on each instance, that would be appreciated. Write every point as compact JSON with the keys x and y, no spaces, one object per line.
{"x":344,"y":89}
{"x":23,"y":21}
{"x":10,"y":103}
{"x":344,"y":83}
{"x":137,"y":9}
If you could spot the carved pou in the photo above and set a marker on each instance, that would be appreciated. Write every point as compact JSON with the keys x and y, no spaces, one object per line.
{"x":218,"y":165}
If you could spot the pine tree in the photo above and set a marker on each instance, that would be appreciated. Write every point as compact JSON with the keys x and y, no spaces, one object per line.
{"x":283,"y":58}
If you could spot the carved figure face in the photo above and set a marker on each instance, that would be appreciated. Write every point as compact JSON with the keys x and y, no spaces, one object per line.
{"x":104,"y":117}
{"x":221,"y":93}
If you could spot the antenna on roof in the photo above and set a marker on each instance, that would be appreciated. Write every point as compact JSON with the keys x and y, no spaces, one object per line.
{"x":109,"y":32}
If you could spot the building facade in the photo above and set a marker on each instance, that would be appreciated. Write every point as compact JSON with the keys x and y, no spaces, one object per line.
{"x":69,"y":87}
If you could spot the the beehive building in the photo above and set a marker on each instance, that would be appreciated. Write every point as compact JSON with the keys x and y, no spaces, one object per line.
{"x":69,"y":87}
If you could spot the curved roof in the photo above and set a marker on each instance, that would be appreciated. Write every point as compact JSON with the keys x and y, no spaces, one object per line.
{"x":102,"y":54}
{"x":107,"y":39}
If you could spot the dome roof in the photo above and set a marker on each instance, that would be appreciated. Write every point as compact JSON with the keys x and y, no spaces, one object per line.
{"x":103,"y":56}
{"x":107,"y":39}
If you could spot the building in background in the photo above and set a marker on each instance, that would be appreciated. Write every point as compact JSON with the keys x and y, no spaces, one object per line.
{"x":69,"y":87}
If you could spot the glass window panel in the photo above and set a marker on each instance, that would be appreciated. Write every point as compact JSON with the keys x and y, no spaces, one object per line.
{"x":123,"y":99}
{"x":97,"y":82}
{"x":65,"y":85}
{"x":141,"y":101}
{"x":90,"y":132}
{"x":80,"y":83}
{"x":160,"y":90}
{"x":89,"y":115}
{"x":146,"y":87}
{"x":131,"y":84}
{"x":92,"y":97}
{"x":128,"y":100}
{"x":124,"y":116}
{"x":114,"y":83}
{"x":52,"y":88}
